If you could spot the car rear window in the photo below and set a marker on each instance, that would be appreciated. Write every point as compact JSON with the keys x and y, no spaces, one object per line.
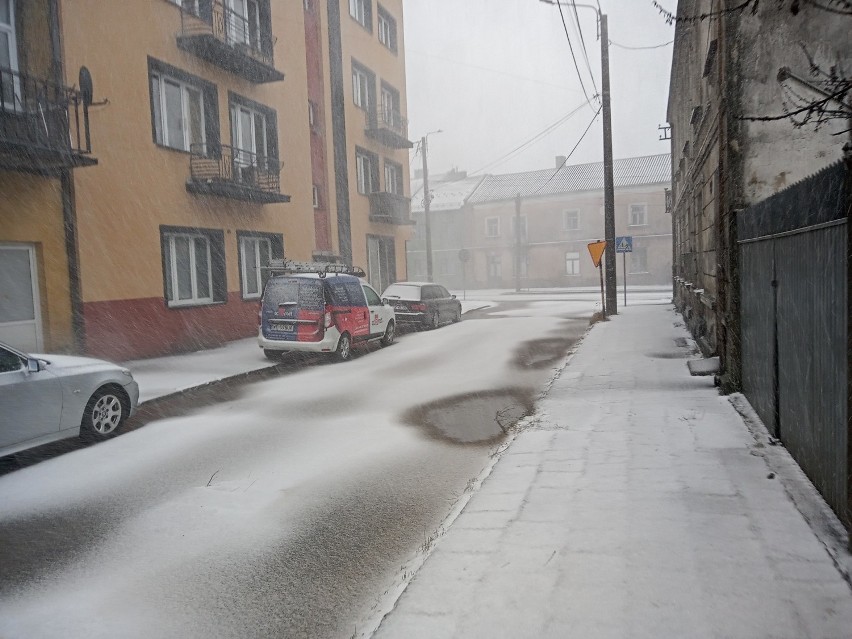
{"x":345,"y":292}
{"x":403,"y":291}
{"x":307,"y":294}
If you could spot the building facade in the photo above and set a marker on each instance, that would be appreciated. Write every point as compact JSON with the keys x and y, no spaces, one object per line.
{"x":732,"y":145}
{"x":229,"y":135}
{"x":559,"y":212}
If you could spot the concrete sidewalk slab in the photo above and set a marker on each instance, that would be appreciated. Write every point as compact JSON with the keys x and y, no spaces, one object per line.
{"x":637,"y":506}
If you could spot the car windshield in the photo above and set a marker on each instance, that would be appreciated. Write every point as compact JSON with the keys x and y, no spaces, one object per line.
{"x":403,"y":291}
{"x":425,"y":318}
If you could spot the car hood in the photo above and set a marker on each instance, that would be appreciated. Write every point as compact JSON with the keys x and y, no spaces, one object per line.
{"x":66,"y":363}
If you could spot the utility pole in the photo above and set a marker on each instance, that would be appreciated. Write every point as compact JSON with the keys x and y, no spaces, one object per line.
{"x":609,"y":188}
{"x":518,"y":243}
{"x":426,"y":201}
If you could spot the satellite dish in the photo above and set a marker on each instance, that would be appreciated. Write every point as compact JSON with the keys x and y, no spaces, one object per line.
{"x":86,"y":90}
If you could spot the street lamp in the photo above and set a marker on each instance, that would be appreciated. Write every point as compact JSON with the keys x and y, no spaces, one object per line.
{"x":609,"y":190}
{"x":426,"y":200}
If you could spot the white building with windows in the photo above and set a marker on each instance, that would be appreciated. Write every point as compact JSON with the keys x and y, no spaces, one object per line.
{"x":561,"y":212}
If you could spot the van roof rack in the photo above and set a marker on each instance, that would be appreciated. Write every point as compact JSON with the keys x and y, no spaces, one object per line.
{"x":283,"y":266}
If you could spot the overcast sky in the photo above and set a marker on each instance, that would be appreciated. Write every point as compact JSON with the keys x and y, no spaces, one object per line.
{"x":494,"y":73}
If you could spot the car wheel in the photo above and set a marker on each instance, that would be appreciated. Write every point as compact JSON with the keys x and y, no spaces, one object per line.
{"x":457,"y":316}
{"x":434,"y":321}
{"x":104,"y":413}
{"x":344,"y":348}
{"x":271,"y":355}
{"x":390,"y":333}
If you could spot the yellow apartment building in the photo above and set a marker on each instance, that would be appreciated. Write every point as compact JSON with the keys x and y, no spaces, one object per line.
{"x":228,"y":132}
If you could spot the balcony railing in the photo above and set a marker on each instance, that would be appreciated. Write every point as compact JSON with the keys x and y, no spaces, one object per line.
{"x":222,"y":36}
{"x":390,"y":208}
{"x":389,"y":128}
{"x":229,"y":172}
{"x":44,"y":126}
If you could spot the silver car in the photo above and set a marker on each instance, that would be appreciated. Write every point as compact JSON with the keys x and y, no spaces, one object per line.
{"x":44,"y":398}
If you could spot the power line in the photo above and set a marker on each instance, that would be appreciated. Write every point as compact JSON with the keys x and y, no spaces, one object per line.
{"x":567,"y":157}
{"x":655,"y":46}
{"x":573,"y":57}
{"x":583,"y":44}
{"x":549,"y":129}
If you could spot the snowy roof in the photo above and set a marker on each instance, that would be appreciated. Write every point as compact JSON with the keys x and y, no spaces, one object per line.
{"x":447,"y":195}
{"x":648,"y":169}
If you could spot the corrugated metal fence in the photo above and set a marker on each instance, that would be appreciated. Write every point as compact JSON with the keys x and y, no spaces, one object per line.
{"x":793,"y":296}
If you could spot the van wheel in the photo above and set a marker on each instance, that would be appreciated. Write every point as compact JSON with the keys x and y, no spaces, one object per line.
{"x":271,"y":355}
{"x":390,"y":331}
{"x":344,"y":348}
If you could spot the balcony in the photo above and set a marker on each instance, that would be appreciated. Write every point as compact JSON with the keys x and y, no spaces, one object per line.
{"x":223,"y":37}
{"x":390,"y":208}
{"x":235,"y":174}
{"x":44,"y":127}
{"x":389,"y":128}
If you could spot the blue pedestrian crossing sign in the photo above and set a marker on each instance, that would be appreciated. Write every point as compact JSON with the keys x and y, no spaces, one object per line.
{"x":624,"y":244}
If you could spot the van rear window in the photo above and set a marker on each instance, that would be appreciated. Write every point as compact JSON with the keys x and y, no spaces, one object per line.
{"x":307,"y":294}
{"x":345,"y":292}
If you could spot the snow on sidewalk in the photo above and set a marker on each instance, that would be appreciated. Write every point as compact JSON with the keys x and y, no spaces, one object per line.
{"x":636,"y":507}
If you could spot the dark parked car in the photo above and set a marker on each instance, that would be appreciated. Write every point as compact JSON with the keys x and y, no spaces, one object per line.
{"x":422,"y":304}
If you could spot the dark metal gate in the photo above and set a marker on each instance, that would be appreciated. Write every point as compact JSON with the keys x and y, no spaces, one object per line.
{"x":793,"y":287}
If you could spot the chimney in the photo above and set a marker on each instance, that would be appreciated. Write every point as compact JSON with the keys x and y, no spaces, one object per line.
{"x":560,"y":160}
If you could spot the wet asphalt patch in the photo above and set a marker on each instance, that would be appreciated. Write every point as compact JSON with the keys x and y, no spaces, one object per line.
{"x":542,"y":353}
{"x":473,"y":418}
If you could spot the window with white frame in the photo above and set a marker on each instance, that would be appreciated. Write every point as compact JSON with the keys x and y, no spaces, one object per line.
{"x":572,"y":263}
{"x":190,"y":6}
{"x":255,"y":253}
{"x":189,"y":274}
{"x":249,"y":135}
{"x":360,"y":10}
{"x":638,"y":214}
{"x":365,"y":171}
{"x":639,"y":260}
{"x":387,"y":29}
{"x":495,"y":266}
{"x":362,"y":89}
{"x":243,"y":23}
{"x":312,"y":116}
{"x":178,"y":113}
{"x":393,"y":177}
{"x":315,"y":196}
{"x":8,"y":55}
{"x":492,"y":226}
{"x":571,"y":220}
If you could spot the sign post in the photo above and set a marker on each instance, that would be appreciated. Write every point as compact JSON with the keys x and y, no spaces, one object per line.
{"x":464,"y":258}
{"x":624,"y":245}
{"x":596,"y":250}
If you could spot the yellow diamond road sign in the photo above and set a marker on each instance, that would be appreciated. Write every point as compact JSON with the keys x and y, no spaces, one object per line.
{"x":596,"y":250}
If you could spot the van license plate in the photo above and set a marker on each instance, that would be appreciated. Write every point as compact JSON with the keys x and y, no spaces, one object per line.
{"x":283,"y":328}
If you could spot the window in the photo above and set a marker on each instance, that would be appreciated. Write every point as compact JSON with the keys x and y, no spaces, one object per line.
{"x":309,"y":5}
{"x":315,"y":196}
{"x":639,"y":260}
{"x":387,"y":29}
{"x":390,"y":107}
{"x":9,"y":362}
{"x":363,"y":88}
{"x":312,"y":115}
{"x":8,"y":54}
{"x":243,"y":23}
{"x":638,"y":214}
{"x":393,"y":177}
{"x":495,"y":268}
{"x":373,"y":298}
{"x":571,"y":220}
{"x":362,"y":12}
{"x":179,"y":121}
{"x":189,"y":277}
{"x":254,"y":137}
{"x":572,"y":263}
{"x":366,"y":171}
{"x":255,"y":253}
{"x":492,"y":226}
{"x":190,"y":6}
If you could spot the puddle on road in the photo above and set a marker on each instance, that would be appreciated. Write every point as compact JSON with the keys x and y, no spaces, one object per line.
{"x":542,"y":353}
{"x":473,"y":417}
